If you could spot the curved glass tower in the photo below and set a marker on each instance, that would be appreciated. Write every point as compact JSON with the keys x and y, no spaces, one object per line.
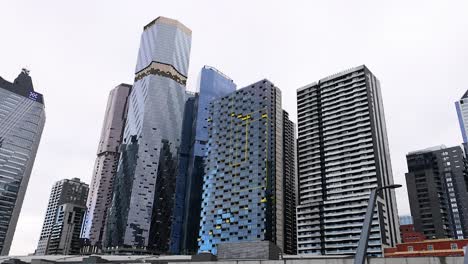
{"x":141,"y":213}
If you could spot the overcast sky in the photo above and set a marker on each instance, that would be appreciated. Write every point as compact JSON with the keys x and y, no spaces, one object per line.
{"x":77,"y":51}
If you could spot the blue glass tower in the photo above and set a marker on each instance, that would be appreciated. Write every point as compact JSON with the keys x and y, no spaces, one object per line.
{"x":212,"y":85}
{"x":462,"y":112}
{"x":141,"y":213}
{"x":242,"y":198}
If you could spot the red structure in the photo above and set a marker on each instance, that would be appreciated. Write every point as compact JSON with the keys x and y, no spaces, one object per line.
{"x":428,"y":248}
{"x":408,"y":234}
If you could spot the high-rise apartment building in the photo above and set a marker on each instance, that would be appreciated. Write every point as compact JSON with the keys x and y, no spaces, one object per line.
{"x":462,"y":113}
{"x":212,"y":85}
{"x":60,"y":234}
{"x":105,"y":167}
{"x":65,"y":234}
{"x":242,"y":196}
{"x":22,"y":119}
{"x":289,"y":185}
{"x":437,"y":191}
{"x":343,"y":154}
{"x":140,"y":217}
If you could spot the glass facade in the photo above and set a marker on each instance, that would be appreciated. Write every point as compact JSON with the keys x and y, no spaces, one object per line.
{"x":22,"y":120}
{"x":462,"y":113}
{"x":212,"y":85}
{"x":141,"y":213}
{"x":243,"y":181}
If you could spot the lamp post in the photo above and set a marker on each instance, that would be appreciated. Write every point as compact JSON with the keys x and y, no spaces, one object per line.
{"x":361,"y":250}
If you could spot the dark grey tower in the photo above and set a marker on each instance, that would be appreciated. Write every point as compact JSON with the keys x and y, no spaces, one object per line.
{"x":100,"y":193}
{"x":289,"y":185}
{"x":22,"y":120}
{"x":437,"y":192}
{"x":64,"y":216}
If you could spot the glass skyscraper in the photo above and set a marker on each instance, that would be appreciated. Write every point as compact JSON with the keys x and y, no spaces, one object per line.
{"x":100,"y":193}
{"x":242,"y":196}
{"x":212,"y":85}
{"x":462,"y":112}
{"x":141,"y":213}
{"x":22,"y":120}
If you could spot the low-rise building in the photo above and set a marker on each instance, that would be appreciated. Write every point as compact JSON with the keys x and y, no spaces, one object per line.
{"x":408,"y":234}
{"x":428,"y":248}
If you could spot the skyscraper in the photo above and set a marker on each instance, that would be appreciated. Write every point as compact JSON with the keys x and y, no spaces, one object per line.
{"x":141,"y":213}
{"x":462,"y":113}
{"x":100,"y":194}
{"x":290,"y":187}
{"x":242,"y":196}
{"x":212,"y":85}
{"x":437,"y":191}
{"x":22,"y":120}
{"x":343,"y":154}
{"x":67,"y":205}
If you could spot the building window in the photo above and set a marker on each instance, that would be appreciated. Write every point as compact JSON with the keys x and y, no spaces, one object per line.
{"x":454,"y":246}
{"x":410,"y":248}
{"x":430,"y":247}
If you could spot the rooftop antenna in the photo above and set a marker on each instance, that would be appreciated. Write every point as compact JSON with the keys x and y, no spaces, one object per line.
{"x":25,"y":71}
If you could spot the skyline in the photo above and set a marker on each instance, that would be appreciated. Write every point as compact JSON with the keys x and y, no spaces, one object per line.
{"x":300,"y":69}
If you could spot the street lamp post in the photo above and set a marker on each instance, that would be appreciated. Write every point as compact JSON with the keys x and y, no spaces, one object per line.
{"x":361,"y":250}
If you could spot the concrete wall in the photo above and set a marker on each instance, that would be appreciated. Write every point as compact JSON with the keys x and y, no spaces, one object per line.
{"x":421,"y":260}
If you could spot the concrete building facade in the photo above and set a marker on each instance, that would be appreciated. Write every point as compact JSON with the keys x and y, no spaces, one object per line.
{"x":212,"y":85}
{"x":290,"y":185}
{"x":65,"y":235}
{"x":437,"y":192}
{"x":72,"y":193}
{"x":343,"y":154}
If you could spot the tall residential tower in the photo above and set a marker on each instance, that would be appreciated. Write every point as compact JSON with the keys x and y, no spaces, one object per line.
{"x":100,"y":193}
{"x":289,"y":185}
{"x":64,"y":217}
{"x":141,"y":213}
{"x":22,"y":120}
{"x":438,"y":192}
{"x":343,"y":154}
